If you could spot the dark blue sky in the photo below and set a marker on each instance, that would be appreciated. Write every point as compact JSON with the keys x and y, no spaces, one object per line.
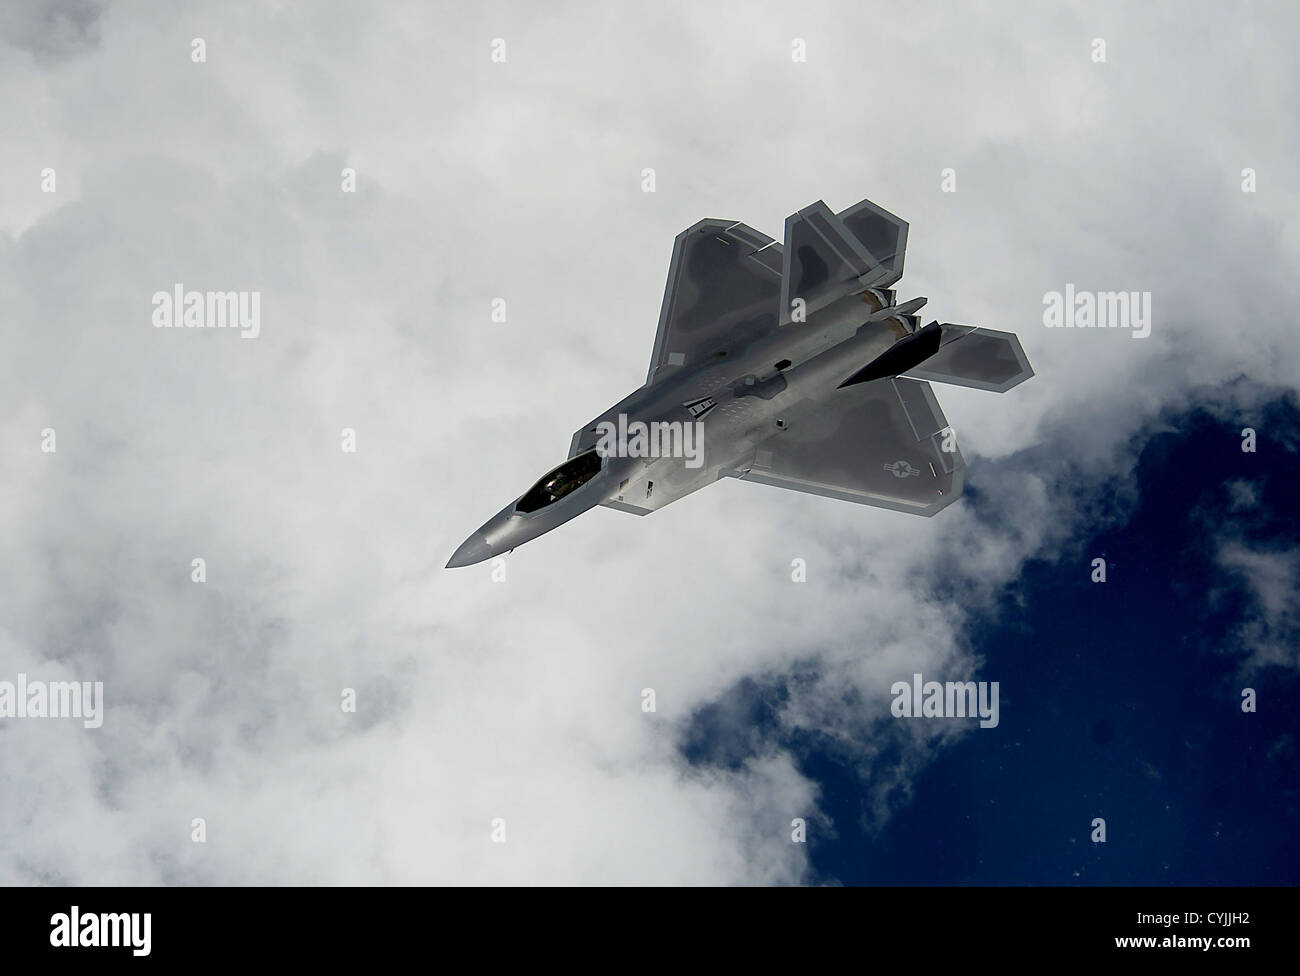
{"x":1118,"y":700}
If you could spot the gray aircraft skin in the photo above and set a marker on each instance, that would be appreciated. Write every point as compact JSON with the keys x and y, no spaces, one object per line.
{"x":799,"y":370}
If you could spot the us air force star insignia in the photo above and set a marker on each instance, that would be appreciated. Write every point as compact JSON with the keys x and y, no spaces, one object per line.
{"x":901,"y":469}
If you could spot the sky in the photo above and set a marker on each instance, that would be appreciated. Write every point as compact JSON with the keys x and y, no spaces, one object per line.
{"x":499,"y":734}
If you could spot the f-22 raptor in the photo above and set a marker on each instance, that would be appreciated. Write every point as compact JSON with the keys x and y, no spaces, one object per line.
{"x":793,"y":365}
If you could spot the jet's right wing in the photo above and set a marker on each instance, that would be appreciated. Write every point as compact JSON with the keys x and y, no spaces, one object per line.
{"x":878,"y":443}
{"x":724,"y":286}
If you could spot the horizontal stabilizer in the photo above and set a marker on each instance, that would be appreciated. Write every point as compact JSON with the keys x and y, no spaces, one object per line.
{"x":982,"y":359}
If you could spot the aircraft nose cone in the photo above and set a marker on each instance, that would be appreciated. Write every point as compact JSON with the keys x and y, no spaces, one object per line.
{"x":473,"y":550}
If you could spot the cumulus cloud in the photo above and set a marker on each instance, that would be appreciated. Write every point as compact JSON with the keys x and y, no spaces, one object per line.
{"x":1272,"y":578}
{"x":522,"y":700}
{"x":52,"y":30}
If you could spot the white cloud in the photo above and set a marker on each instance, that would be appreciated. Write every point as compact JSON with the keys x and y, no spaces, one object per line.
{"x":522,"y":700}
{"x":1272,"y":578}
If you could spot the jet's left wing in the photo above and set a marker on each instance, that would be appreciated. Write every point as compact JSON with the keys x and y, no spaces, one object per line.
{"x":878,"y":443}
{"x":723,"y":292}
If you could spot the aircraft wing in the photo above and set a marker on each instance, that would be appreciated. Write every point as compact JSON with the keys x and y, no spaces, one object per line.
{"x":723,"y":292}
{"x":877,"y":443}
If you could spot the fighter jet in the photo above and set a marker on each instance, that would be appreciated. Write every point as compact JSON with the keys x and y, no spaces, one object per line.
{"x":790,"y":366}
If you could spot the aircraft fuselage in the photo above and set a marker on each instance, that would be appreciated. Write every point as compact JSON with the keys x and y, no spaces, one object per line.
{"x":753,"y":394}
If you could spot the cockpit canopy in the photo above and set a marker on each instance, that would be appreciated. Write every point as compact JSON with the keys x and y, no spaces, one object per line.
{"x":571,"y":475}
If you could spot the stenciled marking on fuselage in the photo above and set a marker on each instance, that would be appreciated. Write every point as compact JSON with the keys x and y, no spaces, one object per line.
{"x":652,"y":439}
